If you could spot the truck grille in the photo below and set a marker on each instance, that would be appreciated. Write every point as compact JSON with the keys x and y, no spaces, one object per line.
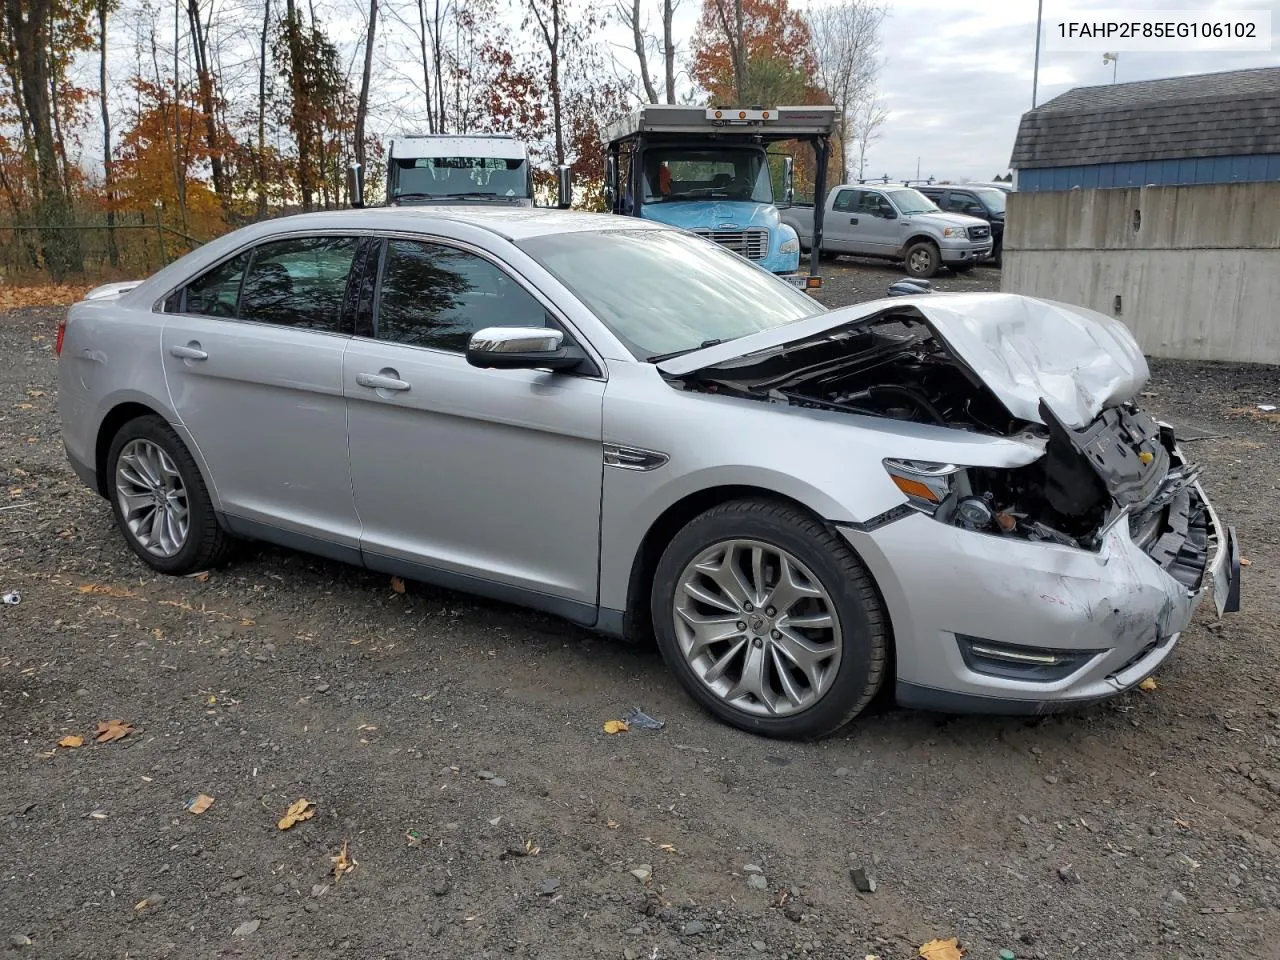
{"x":752,"y":244}
{"x":979,"y":233}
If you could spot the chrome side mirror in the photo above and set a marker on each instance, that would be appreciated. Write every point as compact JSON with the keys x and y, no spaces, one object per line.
{"x":789,"y":179}
{"x":523,"y":348}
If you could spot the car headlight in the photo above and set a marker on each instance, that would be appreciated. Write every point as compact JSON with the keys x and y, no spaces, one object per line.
{"x":926,"y":485}
{"x":955,"y":231}
{"x":790,"y":246}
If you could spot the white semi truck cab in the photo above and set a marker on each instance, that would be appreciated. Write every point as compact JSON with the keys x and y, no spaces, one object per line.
{"x":441,"y":168}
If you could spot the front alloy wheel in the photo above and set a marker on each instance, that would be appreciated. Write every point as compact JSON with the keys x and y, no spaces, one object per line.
{"x":769,"y":620}
{"x":757,"y":628}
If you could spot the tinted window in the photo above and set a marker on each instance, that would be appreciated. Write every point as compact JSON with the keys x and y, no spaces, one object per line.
{"x":844,"y":200}
{"x":213,"y":294}
{"x":298,"y":283}
{"x":437,"y":296}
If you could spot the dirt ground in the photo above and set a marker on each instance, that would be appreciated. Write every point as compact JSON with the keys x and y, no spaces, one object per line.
{"x":454,"y":747}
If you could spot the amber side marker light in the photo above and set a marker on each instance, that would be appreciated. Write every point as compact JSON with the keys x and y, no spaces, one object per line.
{"x":812,"y":283}
{"x":62,"y":334}
{"x":914,"y":488}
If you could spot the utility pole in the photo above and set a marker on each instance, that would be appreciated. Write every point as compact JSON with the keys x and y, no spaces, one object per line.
{"x":1114,"y":60}
{"x":1035,"y":75}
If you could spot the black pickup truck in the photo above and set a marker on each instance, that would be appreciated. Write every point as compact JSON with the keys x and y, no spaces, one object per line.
{"x":986,"y":203}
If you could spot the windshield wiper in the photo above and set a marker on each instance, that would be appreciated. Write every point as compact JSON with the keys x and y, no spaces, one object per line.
{"x":658,"y":358}
{"x":450,"y":196}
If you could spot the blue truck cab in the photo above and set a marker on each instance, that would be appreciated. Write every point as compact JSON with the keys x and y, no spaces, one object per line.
{"x":706,"y":170}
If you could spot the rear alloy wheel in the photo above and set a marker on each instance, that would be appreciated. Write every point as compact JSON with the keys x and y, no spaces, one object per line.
{"x":769,"y":620}
{"x":160,"y":501}
{"x":922,"y":260}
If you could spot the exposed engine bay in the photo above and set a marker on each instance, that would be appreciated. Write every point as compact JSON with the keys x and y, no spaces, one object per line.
{"x":893,"y":366}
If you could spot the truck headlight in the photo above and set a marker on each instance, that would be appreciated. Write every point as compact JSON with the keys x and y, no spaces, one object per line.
{"x":790,"y":246}
{"x":955,"y":232}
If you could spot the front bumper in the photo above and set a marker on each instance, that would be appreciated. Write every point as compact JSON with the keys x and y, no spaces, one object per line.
{"x":1116,"y":609}
{"x":966,"y":252}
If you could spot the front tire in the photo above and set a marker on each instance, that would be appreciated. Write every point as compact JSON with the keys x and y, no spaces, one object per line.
{"x":922,"y":260}
{"x":769,"y":620}
{"x":160,"y":501}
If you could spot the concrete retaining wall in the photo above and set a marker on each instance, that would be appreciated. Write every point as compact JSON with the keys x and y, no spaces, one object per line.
{"x":1196,"y":268}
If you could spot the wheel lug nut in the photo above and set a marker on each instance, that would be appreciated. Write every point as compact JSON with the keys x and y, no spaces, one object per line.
{"x":776,"y":634}
{"x":748,"y":607}
{"x":757,"y":642}
{"x":742,"y":624}
{"x":771,"y":612}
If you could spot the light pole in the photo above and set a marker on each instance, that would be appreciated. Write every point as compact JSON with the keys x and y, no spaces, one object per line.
{"x":1035,"y":75}
{"x":1114,"y":60}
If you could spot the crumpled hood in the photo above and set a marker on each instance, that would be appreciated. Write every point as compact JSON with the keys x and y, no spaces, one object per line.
{"x":1024,"y":349}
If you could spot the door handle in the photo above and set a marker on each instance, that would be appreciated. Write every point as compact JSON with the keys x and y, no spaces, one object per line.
{"x":191,"y":351}
{"x":377,"y":381}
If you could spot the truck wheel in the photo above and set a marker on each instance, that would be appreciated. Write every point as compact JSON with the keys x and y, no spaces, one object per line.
{"x":923,"y":260}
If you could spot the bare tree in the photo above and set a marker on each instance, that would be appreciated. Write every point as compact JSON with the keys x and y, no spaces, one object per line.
{"x":362,"y":105}
{"x":547,"y":15}
{"x":629,"y":16}
{"x":261,"y":159}
{"x":108,"y":164}
{"x":846,"y":45}
{"x":208,"y":106}
{"x":729,"y":15}
{"x":864,"y":127}
{"x":669,"y":47}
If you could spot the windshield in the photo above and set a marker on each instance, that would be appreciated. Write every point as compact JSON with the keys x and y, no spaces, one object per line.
{"x":719,"y":174}
{"x":910,"y":201}
{"x":991,"y":197}
{"x":447,"y":176}
{"x":666,"y":291}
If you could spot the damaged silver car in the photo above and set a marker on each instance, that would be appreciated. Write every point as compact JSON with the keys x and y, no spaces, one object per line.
{"x":951,"y":498}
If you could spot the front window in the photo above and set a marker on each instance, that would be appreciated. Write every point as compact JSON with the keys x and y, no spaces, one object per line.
{"x":910,"y":201}
{"x":664,"y":291}
{"x":715,"y":174}
{"x":444,"y":177}
{"x":991,"y":198}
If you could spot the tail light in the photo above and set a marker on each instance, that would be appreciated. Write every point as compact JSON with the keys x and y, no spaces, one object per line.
{"x":62,"y":333}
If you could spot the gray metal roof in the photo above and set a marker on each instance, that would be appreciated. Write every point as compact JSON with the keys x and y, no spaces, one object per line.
{"x":1236,"y":113}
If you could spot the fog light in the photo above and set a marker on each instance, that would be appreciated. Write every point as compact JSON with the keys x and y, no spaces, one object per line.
{"x":1017,"y":662}
{"x":975,"y":512}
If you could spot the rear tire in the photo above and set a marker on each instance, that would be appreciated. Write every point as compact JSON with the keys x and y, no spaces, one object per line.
{"x":160,"y":501}
{"x":801,"y":670}
{"x":922,"y":260}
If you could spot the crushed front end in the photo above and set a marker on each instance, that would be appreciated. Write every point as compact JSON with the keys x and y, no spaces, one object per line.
{"x":1024,"y":589}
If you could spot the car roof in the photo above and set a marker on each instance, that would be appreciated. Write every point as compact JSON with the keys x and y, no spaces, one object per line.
{"x":512,"y":223}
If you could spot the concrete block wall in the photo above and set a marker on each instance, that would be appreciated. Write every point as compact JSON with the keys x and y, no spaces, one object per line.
{"x":1193,"y":271}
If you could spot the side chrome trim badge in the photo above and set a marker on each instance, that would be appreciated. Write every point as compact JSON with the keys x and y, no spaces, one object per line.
{"x":632,"y":458}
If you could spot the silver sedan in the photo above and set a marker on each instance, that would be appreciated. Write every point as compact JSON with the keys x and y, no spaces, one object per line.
{"x":952,"y":498}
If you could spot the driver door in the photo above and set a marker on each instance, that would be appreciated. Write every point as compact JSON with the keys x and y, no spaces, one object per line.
{"x":485,"y":480}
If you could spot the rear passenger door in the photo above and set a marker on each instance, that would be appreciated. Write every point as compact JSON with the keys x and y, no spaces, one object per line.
{"x":488,"y":480}
{"x":252,"y":353}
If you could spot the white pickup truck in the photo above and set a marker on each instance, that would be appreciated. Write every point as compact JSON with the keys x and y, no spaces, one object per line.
{"x":894,"y":223}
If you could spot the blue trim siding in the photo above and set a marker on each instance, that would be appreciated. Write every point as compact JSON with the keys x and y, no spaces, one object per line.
{"x":1163,"y":173}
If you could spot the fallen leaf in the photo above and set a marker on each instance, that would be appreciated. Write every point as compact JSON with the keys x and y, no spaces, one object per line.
{"x":531,"y":849}
{"x":46,"y":754}
{"x":35,"y":393}
{"x":343,"y":863}
{"x":1246,"y":562}
{"x":397,"y":585}
{"x":298,"y":811}
{"x":26,"y":406}
{"x":71,"y":742}
{"x":1148,"y":684}
{"x":942,"y":950}
{"x":612,"y":824}
{"x":669,"y":847}
{"x":200,"y":803}
{"x":201,"y":577}
{"x":15,"y":491}
{"x":142,"y":904}
{"x":109,"y":731}
{"x":118,"y":592}
{"x":616,"y":726}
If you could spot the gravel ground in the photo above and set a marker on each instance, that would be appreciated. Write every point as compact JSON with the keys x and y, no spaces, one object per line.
{"x":455,"y":748}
